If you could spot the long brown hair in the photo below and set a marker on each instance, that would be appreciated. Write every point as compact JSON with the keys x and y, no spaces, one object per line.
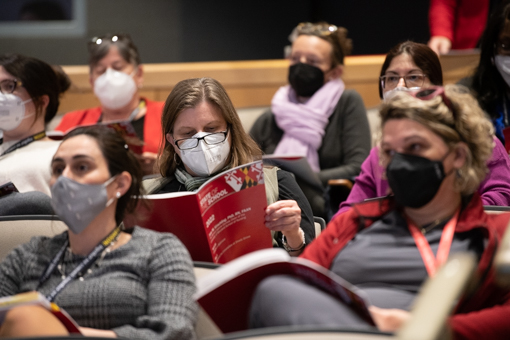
{"x":188,"y":94}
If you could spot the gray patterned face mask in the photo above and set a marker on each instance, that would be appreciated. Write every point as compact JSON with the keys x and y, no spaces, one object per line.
{"x":78,"y":204}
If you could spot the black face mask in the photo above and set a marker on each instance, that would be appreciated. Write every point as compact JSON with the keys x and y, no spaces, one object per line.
{"x":414,"y":180}
{"x":305,"y":79}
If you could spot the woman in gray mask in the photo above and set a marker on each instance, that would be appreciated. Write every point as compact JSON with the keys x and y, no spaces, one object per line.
{"x":135,"y":284}
{"x":315,"y":116}
{"x":116,"y":77}
{"x":204,"y":136}
{"x":435,"y":145}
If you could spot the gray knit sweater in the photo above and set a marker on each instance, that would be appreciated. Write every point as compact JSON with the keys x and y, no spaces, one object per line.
{"x":141,"y":290}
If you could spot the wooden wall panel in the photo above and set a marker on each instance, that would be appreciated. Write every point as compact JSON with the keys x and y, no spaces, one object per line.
{"x":252,"y":83}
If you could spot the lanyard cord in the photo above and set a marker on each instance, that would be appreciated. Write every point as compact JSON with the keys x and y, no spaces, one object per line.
{"x":83,"y":266}
{"x":25,"y":142}
{"x":432,"y":263}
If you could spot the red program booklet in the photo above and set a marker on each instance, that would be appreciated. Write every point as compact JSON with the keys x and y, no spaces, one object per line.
{"x":222,"y":220}
{"x":226,"y":293}
{"x":36,"y":298}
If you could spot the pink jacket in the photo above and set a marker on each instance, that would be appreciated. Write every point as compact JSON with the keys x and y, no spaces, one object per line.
{"x":494,"y":190}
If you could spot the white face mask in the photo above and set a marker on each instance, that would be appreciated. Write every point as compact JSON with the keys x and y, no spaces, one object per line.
{"x":206,"y":159}
{"x":12,"y":111}
{"x":114,"y":89}
{"x":503,"y":65}
{"x":391,"y":93}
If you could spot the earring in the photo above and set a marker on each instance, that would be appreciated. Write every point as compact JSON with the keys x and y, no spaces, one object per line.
{"x":117,"y":195}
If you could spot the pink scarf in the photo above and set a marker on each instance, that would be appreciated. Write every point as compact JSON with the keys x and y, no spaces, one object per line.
{"x":304,"y":124}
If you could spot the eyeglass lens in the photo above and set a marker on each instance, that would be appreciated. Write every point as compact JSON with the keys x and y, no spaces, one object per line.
{"x":410,"y":80}
{"x":7,"y":86}
{"x":211,"y":139}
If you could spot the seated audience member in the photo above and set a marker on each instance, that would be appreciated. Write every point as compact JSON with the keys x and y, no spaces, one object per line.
{"x":29,"y":98}
{"x":409,"y":66}
{"x":491,"y":79}
{"x":116,"y":76}
{"x":435,"y":146}
{"x":136,"y":283}
{"x":204,"y":136}
{"x":315,"y":116}
{"x":457,"y":24}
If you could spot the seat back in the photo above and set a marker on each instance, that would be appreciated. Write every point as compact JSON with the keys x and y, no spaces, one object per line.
{"x":319,"y":224}
{"x":437,"y":299}
{"x":495,"y":209}
{"x":16,"y":230}
{"x":502,"y":260}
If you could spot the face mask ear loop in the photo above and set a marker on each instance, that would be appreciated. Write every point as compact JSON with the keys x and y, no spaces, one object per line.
{"x":106,"y":184}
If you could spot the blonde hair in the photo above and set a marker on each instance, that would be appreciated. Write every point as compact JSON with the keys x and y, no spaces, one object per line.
{"x":190,"y":93}
{"x":466,"y":123}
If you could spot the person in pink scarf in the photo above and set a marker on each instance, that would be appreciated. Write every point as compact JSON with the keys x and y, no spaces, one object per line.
{"x":315,"y":116}
{"x":409,"y":66}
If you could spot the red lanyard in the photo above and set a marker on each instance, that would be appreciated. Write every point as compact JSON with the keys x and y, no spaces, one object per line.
{"x":431,"y":262}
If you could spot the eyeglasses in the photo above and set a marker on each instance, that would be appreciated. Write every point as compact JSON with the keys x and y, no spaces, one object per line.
{"x":209,"y":139}
{"x":432,"y":92}
{"x":319,"y":29}
{"x":389,"y":82}
{"x":315,"y":29}
{"x":113,"y":38}
{"x":8,"y":86}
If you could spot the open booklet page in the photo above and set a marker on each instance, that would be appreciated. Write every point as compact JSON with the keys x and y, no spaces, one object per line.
{"x":226,"y":293}
{"x":36,"y":298}
{"x":222,"y":220}
{"x":124,"y":128}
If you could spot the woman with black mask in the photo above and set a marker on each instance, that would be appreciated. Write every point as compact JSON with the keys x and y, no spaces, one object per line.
{"x":315,"y":116}
{"x":435,"y":143}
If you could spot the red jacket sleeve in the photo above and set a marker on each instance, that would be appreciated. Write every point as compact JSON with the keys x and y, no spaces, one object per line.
{"x":340,"y":230}
{"x":489,"y":323}
{"x":442,"y":18}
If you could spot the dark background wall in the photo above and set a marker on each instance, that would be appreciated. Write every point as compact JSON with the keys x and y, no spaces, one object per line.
{"x":203,"y":30}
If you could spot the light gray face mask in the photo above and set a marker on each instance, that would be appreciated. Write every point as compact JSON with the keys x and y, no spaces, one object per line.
{"x":391,"y":93}
{"x":78,"y":204}
{"x":503,"y":65}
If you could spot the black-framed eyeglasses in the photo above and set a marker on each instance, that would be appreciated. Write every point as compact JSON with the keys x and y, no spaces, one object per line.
{"x":8,"y":86}
{"x":432,"y":92}
{"x":389,"y":82}
{"x":210,"y":139}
